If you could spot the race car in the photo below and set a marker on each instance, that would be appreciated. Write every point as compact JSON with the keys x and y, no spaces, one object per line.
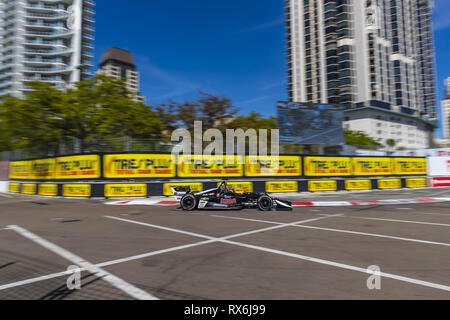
{"x":226,"y":198}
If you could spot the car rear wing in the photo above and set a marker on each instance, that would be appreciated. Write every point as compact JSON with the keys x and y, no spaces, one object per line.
{"x":180,"y":191}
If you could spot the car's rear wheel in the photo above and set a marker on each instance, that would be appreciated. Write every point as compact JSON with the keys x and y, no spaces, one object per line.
{"x":265,"y":203}
{"x":188,"y":202}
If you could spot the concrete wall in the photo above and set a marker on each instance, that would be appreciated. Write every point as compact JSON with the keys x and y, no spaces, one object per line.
{"x":4,"y":169}
{"x":3,"y":186}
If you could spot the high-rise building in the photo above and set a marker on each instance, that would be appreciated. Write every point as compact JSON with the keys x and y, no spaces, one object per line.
{"x":445,"y":107}
{"x":447,"y":88}
{"x":371,"y":54}
{"x":119,"y":64}
{"x":44,"y":40}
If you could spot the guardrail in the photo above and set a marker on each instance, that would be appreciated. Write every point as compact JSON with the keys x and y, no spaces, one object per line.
{"x":149,"y":189}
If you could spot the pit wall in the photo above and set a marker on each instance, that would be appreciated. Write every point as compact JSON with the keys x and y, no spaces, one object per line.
{"x":149,"y":189}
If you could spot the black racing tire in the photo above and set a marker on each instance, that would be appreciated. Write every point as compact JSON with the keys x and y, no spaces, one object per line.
{"x":189,"y":202}
{"x":265,"y":203}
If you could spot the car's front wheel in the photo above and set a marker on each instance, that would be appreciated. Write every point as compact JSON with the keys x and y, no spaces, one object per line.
{"x":265,"y":203}
{"x":188,"y":202}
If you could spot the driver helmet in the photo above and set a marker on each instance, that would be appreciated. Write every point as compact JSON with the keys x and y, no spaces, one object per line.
{"x":223,"y":187}
{"x":231,"y":190}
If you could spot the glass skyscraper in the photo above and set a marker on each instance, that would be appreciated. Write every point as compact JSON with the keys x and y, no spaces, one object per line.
{"x":371,"y":52}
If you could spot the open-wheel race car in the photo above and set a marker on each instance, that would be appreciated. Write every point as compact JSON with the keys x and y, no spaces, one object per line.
{"x":224,"y":197}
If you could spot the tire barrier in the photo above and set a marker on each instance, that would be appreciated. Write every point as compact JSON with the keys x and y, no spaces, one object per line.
{"x":148,"y":189}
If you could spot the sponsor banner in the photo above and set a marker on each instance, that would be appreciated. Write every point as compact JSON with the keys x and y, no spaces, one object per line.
{"x":77,"y":190}
{"x":328,"y":166}
{"x":125,"y":190}
{"x":209,"y":166}
{"x":442,"y":152}
{"x":28,"y":188}
{"x":322,"y":185}
{"x":43,"y":169}
{"x":417,"y":183}
{"x":195,"y":186}
{"x":358,"y":184}
{"x":239,"y":187}
{"x":407,"y":166}
{"x":48,"y":190}
{"x":138,"y":166}
{"x":78,"y":167}
{"x":20,"y":170}
{"x":440,"y":182}
{"x":389,"y":183}
{"x":439,"y":166}
{"x":281,"y":186}
{"x":372,"y":166}
{"x":282,"y":166}
{"x":14,"y":187}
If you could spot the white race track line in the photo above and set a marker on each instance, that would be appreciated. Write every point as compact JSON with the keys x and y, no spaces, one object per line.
{"x":402,"y":221}
{"x":439,"y":193}
{"x":293,"y":255}
{"x":334,"y":230}
{"x":284,"y":225}
{"x":430,"y":214}
{"x":76,"y":260}
{"x":137,"y":257}
{"x":5,"y":195}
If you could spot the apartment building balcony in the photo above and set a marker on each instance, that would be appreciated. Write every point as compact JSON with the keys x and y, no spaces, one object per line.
{"x":6,"y":66}
{"x":40,"y":43}
{"x":60,"y":85}
{"x":40,"y":78}
{"x":6,"y":75}
{"x":63,"y":51}
{"x":62,"y":69}
{"x":42,"y":61}
{"x":48,"y":16}
{"x":49,"y":34}
{"x":86,"y":46}
{"x":87,"y":37}
{"x":88,"y":20}
{"x":87,"y":56}
{"x":87,"y":28}
{"x":44,"y":25}
{"x":87,"y":64}
{"x":44,"y":7}
{"x":4,"y":84}
{"x":88,"y":12}
{"x":88,"y":3}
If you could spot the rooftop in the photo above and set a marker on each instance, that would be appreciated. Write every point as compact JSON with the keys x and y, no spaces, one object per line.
{"x":118,"y":55}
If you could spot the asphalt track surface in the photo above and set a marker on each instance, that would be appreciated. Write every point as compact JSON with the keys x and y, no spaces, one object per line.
{"x":148,"y":252}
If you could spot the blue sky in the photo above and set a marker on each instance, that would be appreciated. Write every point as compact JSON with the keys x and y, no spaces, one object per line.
{"x":234,"y":48}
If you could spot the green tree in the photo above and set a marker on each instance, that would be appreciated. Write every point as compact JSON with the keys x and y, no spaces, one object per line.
{"x":361,"y":140}
{"x":94,"y":110}
{"x":212,"y":110}
{"x":253,"y":121}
